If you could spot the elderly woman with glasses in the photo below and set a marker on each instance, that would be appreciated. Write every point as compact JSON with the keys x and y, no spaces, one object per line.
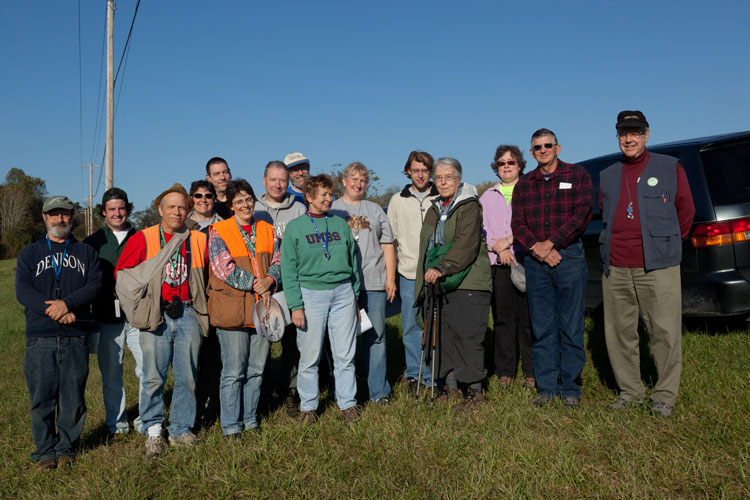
{"x":452,"y":230}
{"x":245,"y":256}
{"x":510,"y":310}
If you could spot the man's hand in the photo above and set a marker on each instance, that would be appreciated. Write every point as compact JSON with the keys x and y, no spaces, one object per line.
{"x":540,"y":249}
{"x":390,"y":290}
{"x":56,"y":309}
{"x":263,"y":285}
{"x":553,"y":258}
{"x":298,"y":318}
{"x":432,"y":275}
{"x":68,"y":319}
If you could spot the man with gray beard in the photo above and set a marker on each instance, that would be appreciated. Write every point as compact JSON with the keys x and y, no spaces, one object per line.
{"x":57,"y":279}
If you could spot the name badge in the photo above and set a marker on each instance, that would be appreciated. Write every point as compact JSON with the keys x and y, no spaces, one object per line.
{"x":117,"y":308}
{"x":565,"y":185}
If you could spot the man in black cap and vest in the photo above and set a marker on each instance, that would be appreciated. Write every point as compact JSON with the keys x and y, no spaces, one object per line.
{"x":647,"y":210}
{"x":114,"y":330}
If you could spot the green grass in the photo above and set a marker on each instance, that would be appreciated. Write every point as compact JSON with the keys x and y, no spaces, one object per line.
{"x":506,"y":450}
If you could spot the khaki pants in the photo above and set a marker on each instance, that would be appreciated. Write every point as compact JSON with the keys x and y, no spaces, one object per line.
{"x":659,"y":295}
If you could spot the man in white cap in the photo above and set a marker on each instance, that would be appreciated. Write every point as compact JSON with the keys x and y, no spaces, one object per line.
{"x":298,"y":167}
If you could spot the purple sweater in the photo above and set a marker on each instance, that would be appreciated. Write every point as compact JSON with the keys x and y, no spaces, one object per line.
{"x":496,"y":215}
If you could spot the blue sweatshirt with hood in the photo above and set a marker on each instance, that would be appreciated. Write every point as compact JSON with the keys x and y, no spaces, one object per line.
{"x":78,"y":284}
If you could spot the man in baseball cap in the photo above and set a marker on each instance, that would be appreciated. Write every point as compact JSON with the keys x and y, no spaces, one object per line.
{"x":114,"y":330}
{"x":298,"y":167}
{"x":57,"y":279}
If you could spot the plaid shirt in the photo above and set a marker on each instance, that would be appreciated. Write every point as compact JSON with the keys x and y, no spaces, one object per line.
{"x":557,"y":209}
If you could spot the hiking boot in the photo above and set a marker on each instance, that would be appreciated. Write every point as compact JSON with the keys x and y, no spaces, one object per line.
{"x":529,"y":383}
{"x":307,"y":417}
{"x":155,"y":446}
{"x":235,"y":436}
{"x":49,"y":464}
{"x":65,"y":461}
{"x":291,"y":403}
{"x":571,"y":402}
{"x":624,"y":404}
{"x":384,"y":401}
{"x":662,"y":409}
{"x":187,"y":439}
{"x":448,"y":395}
{"x":413,"y":386}
{"x":542,"y":400}
{"x":473,"y":401}
{"x":352,"y":414}
{"x":506,"y":382}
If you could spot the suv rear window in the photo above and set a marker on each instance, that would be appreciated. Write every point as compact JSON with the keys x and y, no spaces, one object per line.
{"x":727,"y":170}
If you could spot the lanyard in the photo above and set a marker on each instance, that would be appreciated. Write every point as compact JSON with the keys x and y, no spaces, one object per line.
{"x":326,"y":239}
{"x":174,"y":261}
{"x":58,"y":267}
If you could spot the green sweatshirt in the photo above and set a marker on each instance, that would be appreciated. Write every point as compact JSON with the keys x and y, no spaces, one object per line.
{"x":303,"y":262}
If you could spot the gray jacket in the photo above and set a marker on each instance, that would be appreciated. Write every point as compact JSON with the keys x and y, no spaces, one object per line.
{"x":279,"y":216}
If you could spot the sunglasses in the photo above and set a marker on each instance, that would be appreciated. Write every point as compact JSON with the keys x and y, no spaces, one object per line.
{"x":510,"y":163}
{"x":198,"y":196}
{"x":547,"y":145}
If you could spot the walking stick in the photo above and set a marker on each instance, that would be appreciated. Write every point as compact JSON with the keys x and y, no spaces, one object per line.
{"x":426,"y":329}
{"x":435,"y":323}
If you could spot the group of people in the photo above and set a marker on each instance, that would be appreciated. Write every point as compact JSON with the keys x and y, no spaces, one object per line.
{"x":219,"y":252}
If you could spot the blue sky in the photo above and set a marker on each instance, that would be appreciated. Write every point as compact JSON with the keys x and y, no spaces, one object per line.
{"x":355,"y":81}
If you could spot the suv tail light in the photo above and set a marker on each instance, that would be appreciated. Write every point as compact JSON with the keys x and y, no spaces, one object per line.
{"x":721,"y":233}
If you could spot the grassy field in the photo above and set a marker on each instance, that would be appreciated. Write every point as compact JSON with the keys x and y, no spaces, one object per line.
{"x":506,"y":450}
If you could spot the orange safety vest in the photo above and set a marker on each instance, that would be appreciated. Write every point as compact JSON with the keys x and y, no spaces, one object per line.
{"x":229,"y":308}
{"x":197,"y":245}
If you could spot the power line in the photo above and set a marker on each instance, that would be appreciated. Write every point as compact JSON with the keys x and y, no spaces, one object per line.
{"x":127,"y":41}
{"x":80,"y":89}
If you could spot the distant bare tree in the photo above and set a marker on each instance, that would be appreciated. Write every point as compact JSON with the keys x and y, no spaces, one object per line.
{"x":13,"y":206}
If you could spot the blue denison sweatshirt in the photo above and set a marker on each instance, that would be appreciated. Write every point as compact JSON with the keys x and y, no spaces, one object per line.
{"x":36,"y":282}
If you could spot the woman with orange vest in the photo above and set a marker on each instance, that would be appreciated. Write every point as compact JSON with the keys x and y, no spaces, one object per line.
{"x":244,"y":256}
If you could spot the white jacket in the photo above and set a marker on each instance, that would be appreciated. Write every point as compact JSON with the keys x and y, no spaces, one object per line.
{"x":406,"y":214}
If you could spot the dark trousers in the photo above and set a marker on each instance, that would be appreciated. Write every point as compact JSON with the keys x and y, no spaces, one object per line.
{"x":463,"y":322}
{"x":56,"y":369}
{"x":510,"y":315}
{"x":209,"y":376}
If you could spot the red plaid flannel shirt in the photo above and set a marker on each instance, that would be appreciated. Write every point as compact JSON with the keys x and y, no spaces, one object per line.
{"x":557,"y":209}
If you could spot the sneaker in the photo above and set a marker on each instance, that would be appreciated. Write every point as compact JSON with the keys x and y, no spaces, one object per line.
{"x":187,"y":439}
{"x":506,"y":382}
{"x":571,"y":402}
{"x":473,"y":401}
{"x":384,"y":401}
{"x":307,"y":417}
{"x":155,"y":446}
{"x":352,"y":414}
{"x":662,"y":409}
{"x":624,"y":404}
{"x":49,"y":464}
{"x":542,"y":400}
{"x":529,"y":383}
{"x":291,"y":403}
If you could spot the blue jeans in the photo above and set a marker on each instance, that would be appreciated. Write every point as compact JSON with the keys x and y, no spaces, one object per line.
{"x":110,"y":354}
{"x":556,"y":307}
{"x":336,"y":308}
{"x":176,"y":341}
{"x":373,"y":301}
{"x":243,"y":358}
{"x":412,"y":334}
{"x":56,"y":369}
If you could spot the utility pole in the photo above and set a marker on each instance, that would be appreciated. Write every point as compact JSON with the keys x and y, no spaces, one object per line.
{"x":109,"y":148}
{"x":90,"y":212}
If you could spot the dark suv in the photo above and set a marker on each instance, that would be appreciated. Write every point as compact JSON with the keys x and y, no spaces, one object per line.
{"x":716,"y":255}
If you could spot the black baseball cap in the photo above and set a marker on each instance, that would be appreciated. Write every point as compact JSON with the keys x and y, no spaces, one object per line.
{"x":631,"y":119}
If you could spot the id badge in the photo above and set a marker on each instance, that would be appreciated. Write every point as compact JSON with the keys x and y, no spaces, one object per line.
{"x":117,"y":308}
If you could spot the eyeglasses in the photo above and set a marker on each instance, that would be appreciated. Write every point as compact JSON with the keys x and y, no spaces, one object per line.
{"x":445,"y":178}
{"x":243,"y":202}
{"x":626,"y":135}
{"x":510,"y":163}
{"x":547,"y":145}
{"x":198,"y":196}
